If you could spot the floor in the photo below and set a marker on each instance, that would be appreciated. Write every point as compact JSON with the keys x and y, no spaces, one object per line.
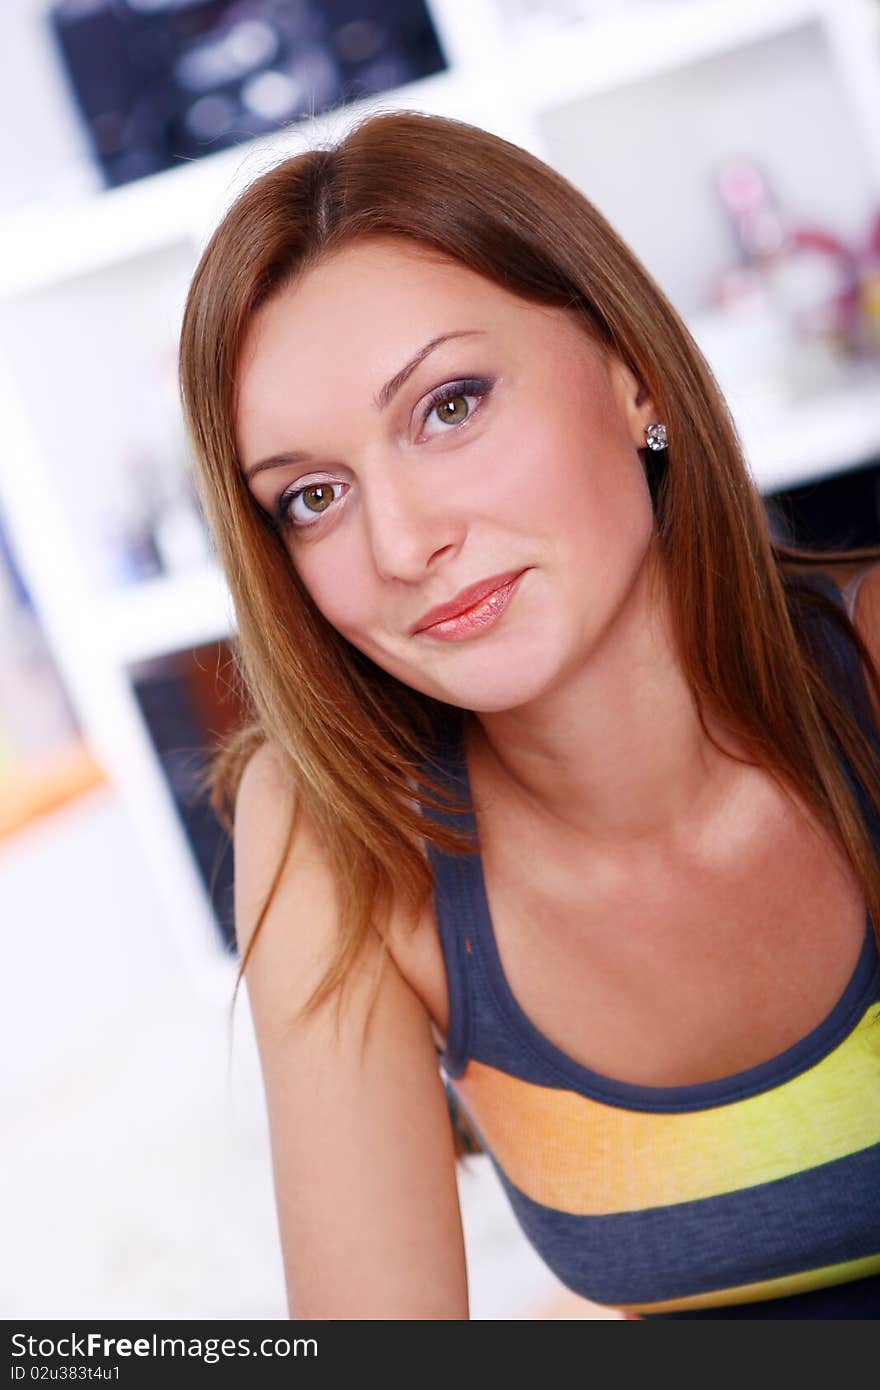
{"x":138,"y":1180}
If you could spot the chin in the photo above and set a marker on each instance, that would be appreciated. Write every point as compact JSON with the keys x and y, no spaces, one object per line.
{"x":494,"y":682}
{"x":503,"y":697}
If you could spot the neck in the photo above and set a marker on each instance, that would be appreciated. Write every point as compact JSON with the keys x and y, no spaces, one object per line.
{"x":615,"y":753}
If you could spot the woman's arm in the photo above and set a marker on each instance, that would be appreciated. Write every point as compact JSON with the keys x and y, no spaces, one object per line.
{"x":362,"y":1148}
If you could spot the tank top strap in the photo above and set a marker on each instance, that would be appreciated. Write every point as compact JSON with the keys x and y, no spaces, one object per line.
{"x":456,"y":884}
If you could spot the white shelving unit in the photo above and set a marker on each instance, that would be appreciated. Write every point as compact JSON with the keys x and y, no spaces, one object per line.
{"x":634,"y":101}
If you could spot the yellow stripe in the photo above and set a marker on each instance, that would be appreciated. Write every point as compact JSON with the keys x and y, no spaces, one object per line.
{"x":767,"y":1288}
{"x":585,"y":1157}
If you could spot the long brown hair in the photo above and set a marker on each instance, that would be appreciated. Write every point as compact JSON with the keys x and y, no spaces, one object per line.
{"x":493,"y":207}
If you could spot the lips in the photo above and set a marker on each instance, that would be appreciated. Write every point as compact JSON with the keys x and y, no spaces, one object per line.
{"x":465,"y":599}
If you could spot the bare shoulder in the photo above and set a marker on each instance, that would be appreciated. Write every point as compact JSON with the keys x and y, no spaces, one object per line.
{"x":866,"y":612}
{"x":264,"y":769}
{"x":264,"y":807}
{"x":362,"y":1146}
{"x":866,"y":620}
{"x":867,"y":609}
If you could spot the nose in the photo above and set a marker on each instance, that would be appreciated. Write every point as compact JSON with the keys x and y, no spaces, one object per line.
{"x":410,"y":524}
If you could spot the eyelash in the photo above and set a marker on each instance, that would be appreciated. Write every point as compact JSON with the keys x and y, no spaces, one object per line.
{"x":479,"y":387}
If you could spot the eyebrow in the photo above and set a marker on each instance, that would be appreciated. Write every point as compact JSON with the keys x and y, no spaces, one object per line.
{"x":381,"y":400}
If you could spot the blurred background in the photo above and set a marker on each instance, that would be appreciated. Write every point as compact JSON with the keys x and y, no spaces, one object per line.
{"x":736,"y":147}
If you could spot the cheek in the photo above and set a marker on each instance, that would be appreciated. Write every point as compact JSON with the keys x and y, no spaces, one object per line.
{"x":575,"y":478}
{"x":545,"y":472}
{"x":528,"y":473}
{"x":337,"y":583}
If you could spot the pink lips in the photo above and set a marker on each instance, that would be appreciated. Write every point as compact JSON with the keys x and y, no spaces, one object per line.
{"x":472,"y":610}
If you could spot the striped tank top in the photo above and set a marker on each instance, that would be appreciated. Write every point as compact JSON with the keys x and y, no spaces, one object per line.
{"x":757,"y":1195}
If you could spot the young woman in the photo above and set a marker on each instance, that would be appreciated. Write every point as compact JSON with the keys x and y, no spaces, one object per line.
{"x":559,"y":763}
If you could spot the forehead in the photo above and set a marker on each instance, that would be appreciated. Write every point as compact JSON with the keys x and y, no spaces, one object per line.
{"x":377,"y":291}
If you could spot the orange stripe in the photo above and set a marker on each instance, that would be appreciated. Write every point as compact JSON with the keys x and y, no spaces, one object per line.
{"x":588,"y":1158}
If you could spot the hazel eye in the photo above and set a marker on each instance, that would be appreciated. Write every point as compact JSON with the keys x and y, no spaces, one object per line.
{"x":302,"y":507}
{"x":453,"y":410}
{"x":453,"y":404}
{"x":318,"y":497}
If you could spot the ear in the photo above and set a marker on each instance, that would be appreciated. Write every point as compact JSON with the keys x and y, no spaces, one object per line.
{"x":636,"y":407}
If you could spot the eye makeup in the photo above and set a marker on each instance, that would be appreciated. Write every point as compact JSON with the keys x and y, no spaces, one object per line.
{"x":469,"y":386}
{"x":477,"y":388}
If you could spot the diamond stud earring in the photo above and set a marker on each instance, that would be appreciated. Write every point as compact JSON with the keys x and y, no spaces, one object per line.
{"x":656,"y":436}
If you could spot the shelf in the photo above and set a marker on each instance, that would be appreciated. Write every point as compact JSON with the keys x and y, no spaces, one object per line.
{"x":161,"y":616}
{"x":640,"y":41}
{"x":814,"y":438}
{"x":35,"y":786}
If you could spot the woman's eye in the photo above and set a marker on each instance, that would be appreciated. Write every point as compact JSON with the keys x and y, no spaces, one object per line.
{"x":303,"y":506}
{"x":454,"y":403}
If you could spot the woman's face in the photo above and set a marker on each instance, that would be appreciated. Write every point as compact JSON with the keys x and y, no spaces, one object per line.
{"x":427,"y":431}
